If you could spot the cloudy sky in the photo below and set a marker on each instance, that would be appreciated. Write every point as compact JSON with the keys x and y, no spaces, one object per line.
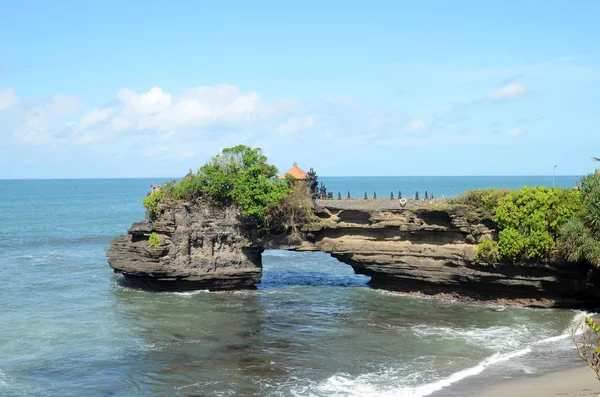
{"x":148,"y":88}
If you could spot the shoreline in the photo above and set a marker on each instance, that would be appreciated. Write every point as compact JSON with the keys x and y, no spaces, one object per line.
{"x":573,"y":382}
{"x":536,"y":303}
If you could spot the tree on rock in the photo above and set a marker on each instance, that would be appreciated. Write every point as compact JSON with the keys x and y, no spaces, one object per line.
{"x":238,"y":176}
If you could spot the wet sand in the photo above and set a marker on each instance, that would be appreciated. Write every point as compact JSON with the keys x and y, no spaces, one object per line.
{"x":577,"y":382}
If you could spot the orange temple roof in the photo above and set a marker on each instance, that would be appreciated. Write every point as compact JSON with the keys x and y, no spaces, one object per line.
{"x":295,"y":171}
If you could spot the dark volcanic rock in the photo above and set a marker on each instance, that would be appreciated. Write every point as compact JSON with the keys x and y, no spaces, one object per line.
{"x":202,"y":247}
{"x":432,"y":251}
{"x":424,"y":250}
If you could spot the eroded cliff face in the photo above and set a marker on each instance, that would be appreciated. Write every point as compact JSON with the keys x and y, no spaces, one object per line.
{"x":432,"y":251}
{"x":202,"y":247}
{"x":420,"y":250}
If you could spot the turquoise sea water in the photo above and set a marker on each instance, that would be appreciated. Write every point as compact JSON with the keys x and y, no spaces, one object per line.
{"x":68,"y":327}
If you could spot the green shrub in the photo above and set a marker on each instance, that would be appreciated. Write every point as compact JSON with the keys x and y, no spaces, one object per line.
{"x":238,"y":175}
{"x":586,"y":336}
{"x":572,"y":240}
{"x":537,"y":208}
{"x":537,"y":244}
{"x":487,"y":252}
{"x":529,"y":220}
{"x":590,"y":186}
{"x":511,"y":244}
{"x":154,"y":241}
{"x":482,"y":201}
{"x":290,"y":213}
{"x":579,"y":238}
{"x":151,"y":202}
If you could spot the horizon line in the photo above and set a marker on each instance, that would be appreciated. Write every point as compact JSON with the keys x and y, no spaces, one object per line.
{"x":320,"y":176}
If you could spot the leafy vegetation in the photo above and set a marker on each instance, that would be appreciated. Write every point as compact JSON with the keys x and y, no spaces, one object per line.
{"x":290,"y":213}
{"x":528,"y":220}
{"x":586,"y":337}
{"x":151,"y":202}
{"x":488,"y":251}
{"x":154,"y":241}
{"x":579,"y":238}
{"x":540,"y":208}
{"x":483,"y":202}
{"x":241,"y":176}
{"x":538,"y":222}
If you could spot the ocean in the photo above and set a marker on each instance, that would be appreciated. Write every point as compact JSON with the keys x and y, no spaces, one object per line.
{"x":70,"y":327}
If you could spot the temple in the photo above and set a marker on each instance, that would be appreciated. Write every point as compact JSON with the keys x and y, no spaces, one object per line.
{"x":296,"y":172}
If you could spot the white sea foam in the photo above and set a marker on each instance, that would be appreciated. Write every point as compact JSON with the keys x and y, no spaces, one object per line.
{"x":188,"y":293}
{"x":382,"y":384}
{"x":494,"y":338}
{"x":577,"y":320}
{"x":388,"y":384}
{"x":3,"y":379}
{"x":205,"y":291}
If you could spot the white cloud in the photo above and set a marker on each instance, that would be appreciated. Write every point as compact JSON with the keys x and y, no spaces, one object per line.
{"x":40,"y":121}
{"x":222,"y":104}
{"x":509,"y":91}
{"x":8,"y":98}
{"x":61,"y":105}
{"x":94,"y":117}
{"x":147,"y":103}
{"x":295,"y":125}
{"x":200,"y":115}
{"x":417,"y":126}
{"x":515,"y":132}
{"x":167,"y":146}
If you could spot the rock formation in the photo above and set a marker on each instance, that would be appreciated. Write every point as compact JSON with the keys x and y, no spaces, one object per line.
{"x":427,"y":250}
{"x":202,"y":247}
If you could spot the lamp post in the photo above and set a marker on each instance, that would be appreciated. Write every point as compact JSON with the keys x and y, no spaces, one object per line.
{"x":553,"y":172}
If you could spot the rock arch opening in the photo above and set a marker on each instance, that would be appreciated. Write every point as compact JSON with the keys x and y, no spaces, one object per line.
{"x":282,"y":269}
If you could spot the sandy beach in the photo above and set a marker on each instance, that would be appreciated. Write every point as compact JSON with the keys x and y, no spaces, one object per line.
{"x":577,"y":382}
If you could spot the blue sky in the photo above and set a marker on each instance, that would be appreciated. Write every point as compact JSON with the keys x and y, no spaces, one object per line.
{"x":148,"y":88}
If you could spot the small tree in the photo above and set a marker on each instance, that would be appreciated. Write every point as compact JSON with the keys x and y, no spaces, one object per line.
{"x":586,"y":337}
{"x":239,"y":175}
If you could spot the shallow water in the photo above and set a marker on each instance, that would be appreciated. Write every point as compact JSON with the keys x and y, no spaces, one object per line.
{"x":70,"y":327}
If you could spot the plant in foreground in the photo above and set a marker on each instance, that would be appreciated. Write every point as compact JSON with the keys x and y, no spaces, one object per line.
{"x":154,"y":241}
{"x":586,"y":337}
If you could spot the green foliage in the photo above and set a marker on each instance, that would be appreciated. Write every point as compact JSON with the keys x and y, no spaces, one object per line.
{"x":290,"y":213}
{"x":579,"y":238}
{"x":590,"y":186}
{"x":482,"y":201}
{"x":151,"y":202}
{"x":577,"y":244}
{"x":529,"y":220}
{"x":511,"y":244}
{"x":537,"y":208}
{"x":488,"y":251}
{"x":537,"y":245}
{"x":154,"y":241}
{"x":586,"y":337}
{"x":239,"y":175}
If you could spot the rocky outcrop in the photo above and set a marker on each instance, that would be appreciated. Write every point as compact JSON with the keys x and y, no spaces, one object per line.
{"x":431,"y":250}
{"x":201,"y":247}
{"x":427,"y":250}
